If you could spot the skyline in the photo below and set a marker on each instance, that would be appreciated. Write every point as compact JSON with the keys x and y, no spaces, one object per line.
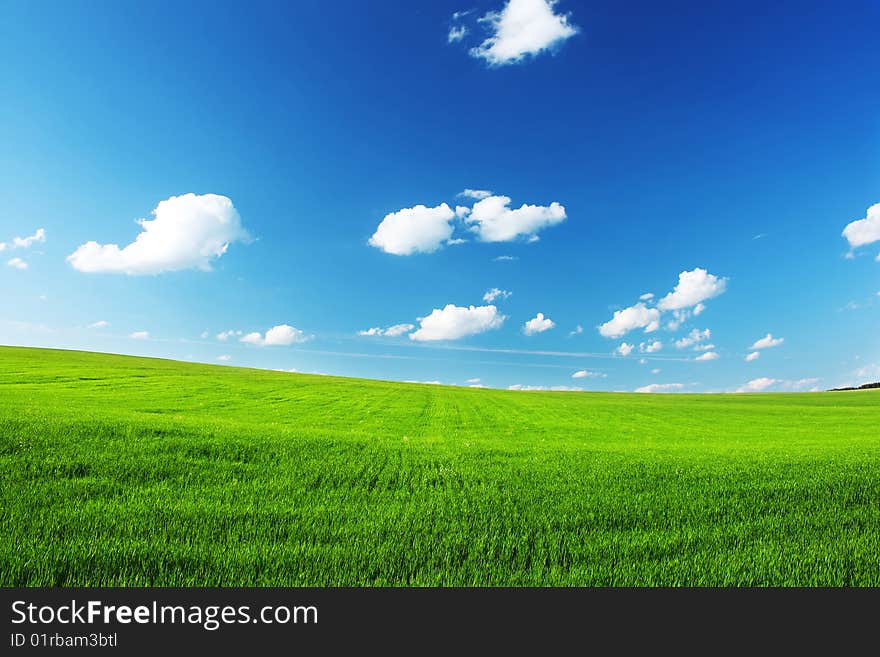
{"x":688,"y":214}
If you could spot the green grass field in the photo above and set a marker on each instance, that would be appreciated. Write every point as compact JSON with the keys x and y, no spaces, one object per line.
{"x":126,"y":471}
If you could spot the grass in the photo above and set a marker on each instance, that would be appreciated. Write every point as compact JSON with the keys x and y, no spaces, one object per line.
{"x":128,"y":471}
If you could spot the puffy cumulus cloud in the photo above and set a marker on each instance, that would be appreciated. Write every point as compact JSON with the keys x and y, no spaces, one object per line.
{"x":495,"y":293}
{"x":453,"y":322}
{"x":419,"y":229}
{"x":864,"y":231}
{"x":140,"y":335}
{"x":391,"y":332}
{"x":628,"y":319}
{"x":755,"y":355}
{"x":709,"y":355}
{"x":16,"y":263}
{"x":660,"y":387}
{"x":538,"y":324}
{"x":650,"y":347}
{"x":519,"y":386}
{"x":461,"y":211}
{"x":757,"y":385}
{"x":187,"y":232}
{"x":277,"y":336}
{"x":692,"y":289}
{"x":223,"y":336}
{"x":477,"y":194}
{"x":583,"y":374}
{"x":494,"y":221}
{"x":99,"y":324}
{"x":767,"y":342}
{"x":695,"y":337}
{"x":521,"y":29}
{"x":456,"y":33}
{"x":699,"y":308}
{"x":624,"y":349}
{"x":24,"y":242}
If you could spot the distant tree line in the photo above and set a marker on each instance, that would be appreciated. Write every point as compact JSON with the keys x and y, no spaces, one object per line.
{"x":866,"y":386}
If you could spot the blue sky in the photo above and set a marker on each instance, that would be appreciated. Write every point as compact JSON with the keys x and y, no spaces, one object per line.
{"x":293,"y":144}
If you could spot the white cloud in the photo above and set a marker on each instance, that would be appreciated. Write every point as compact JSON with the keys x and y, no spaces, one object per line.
{"x":625,"y":349}
{"x":504,"y":258}
{"x":419,"y":229}
{"x":660,"y":387}
{"x":695,"y":337}
{"x":519,"y":386}
{"x":478,"y":194}
{"x":523,"y":28}
{"x":474,"y":380}
{"x":709,"y":355}
{"x":583,"y":374}
{"x":493,"y":221}
{"x":456,"y":33}
{"x":864,"y":231}
{"x":454,"y":322}
{"x":577,"y":330}
{"x":99,"y":324}
{"x":494,"y":293}
{"x":538,"y":324}
{"x":755,"y":355}
{"x":223,"y":336}
{"x":650,"y":347}
{"x":391,"y":332}
{"x":704,"y":347}
{"x":224,"y":358}
{"x":757,"y":385}
{"x":628,"y":319}
{"x":656,"y":370}
{"x":693,"y":288}
{"x":187,"y":232}
{"x":647,"y":296}
{"x":699,"y":308}
{"x":461,"y":211}
{"x":277,"y":336}
{"x":24,"y":242}
{"x":140,"y":335}
{"x":767,"y":342}
{"x":16,"y":263}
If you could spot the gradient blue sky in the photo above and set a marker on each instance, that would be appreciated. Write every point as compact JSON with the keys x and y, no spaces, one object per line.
{"x":740,"y":138}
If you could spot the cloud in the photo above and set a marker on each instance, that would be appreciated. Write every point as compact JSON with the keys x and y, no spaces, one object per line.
{"x":628,"y":319}
{"x":223,"y":336}
{"x":538,"y":324}
{"x":660,"y":387}
{"x":656,"y":370}
{"x":478,"y":194}
{"x":583,"y":374}
{"x":454,"y":322}
{"x":699,"y":308}
{"x":461,"y":211}
{"x":24,"y":242}
{"x":504,"y":258}
{"x":493,"y":221}
{"x":391,"y":332}
{"x":755,"y":355}
{"x":277,"y":336}
{"x":577,"y":330}
{"x":693,"y":338}
{"x":767,"y":342}
{"x":99,"y":324}
{"x":757,"y":385}
{"x":647,"y":296}
{"x":864,"y":231}
{"x":419,"y":229}
{"x":140,"y":335}
{"x":519,"y":386}
{"x":494,"y":293}
{"x":187,"y":232}
{"x":625,"y":349}
{"x":693,"y":288}
{"x":16,"y":263}
{"x":704,"y":347}
{"x":709,"y":355}
{"x":474,"y":380}
{"x":650,"y":347}
{"x":523,"y":28}
{"x":224,"y":358}
{"x":456,"y":33}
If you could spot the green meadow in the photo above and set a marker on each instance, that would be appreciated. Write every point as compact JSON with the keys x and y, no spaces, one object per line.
{"x":126,"y":471}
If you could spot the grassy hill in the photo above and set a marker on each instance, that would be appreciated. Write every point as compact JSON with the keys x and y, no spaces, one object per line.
{"x":117,"y":470}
